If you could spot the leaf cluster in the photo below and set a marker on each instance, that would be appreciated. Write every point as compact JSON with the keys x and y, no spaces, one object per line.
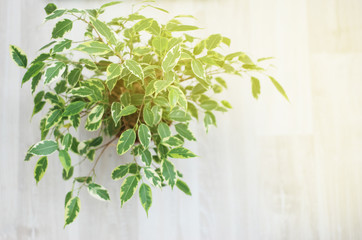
{"x":132,"y":80}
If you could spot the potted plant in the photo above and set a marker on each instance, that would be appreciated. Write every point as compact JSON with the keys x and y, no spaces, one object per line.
{"x":132,"y":80}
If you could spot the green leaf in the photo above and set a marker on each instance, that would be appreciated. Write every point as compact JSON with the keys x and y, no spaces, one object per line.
{"x":168,"y":172}
{"x":226,"y":41}
{"x":246,"y":59}
{"x":74,"y":108}
{"x":68,"y":196}
{"x":110,"y":4}
{"x":179,"y":115}
{"x":57,"y":13}
{"x":226,"y":104}
{"x":172,"y":27}
{"x":154,"y":29}
{"x":67,"y":141}
{"x":148,"y":116}
{"x":171,"y":58}
{"x":38,"y":97}
{"x":142,"y":25}
{"x":144,"y":135}
{"x":255,"y":86}
{"x":126,"y":141}
{"x":160,"y":44}
{"x":113,"y":72}
{"x":74,"y":76}
{"x":146,"y":157}
{"x":67,"y":175}
{"x":54,"y":118}
{"x":65,"y":44}
{"x":199,"y":47}
{"x":163,"y":130}
{"x":183,"y":130}
{"x":152,"y":176}
{"x":181,"y":152}
{"x":75,"y":120}
{"x":128,"y":188}
{"x":71,"y":210}
{"x":213,"y":41}
{"x":104,"y":30}
{"x":209,"y":119}
{"x":128,"y":110}
{"x":93,"y":126}
{"x":81,"y":91}
{"x":35,"y":82}
{"x":115,"y":111}
{"x":120,"y":171}
{"x":135,"y":68}
{"x":18,"y":56}
{"x":93,"y":48}
{"x":43,"y":148}
{"x":183,"y":187}
{"x":198,"y":69}
{"x":53,"y":72}
{"x":221,"y":82}
{"x":40,"y":168}
{"x":209,"y":105}
{"x":279,"y":88}
{"x":161,"y":85}
{"x":49,"y":8}
{"x":173,"y":97}
{"x":38,"y":107}
{"x":32,"y":71}
{"x":99,"y":192}
{"x":96,"y":114}
{"x":61,"y":28}
{"x":172,"y":141}
{"x":60,"y":87}
{"x":65,"y":160}
{"x":145,"y":195}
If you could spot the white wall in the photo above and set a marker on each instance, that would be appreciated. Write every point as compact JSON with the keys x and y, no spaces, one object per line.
{"x":271,"y":170}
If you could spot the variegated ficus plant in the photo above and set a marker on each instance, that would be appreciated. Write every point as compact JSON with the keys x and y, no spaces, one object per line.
{"x":137,"y":83}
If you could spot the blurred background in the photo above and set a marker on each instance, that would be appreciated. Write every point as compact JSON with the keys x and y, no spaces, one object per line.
{"x":271,"y":170}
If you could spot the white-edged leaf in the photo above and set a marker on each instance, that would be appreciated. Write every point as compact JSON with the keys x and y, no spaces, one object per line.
{"x":40,"y":168}
{"x":181,"y":152}
{"x":171,"y":58}
{"x":135,"y":68}
{"x":99,"y":192}
{"x":168,"y":172}
{"x":126,"y":141}
{"x":94,"y":48}
{"x":115,"y":111}
{"x":198,"y":69}
{"x":145,"y":195}
{"x":120,"y":171}
{"x":144,"y":135}
{"x":65,"y":160}
{"x":184,"y":131}
{"x":128,"y":188}
{"x":18,"y":56}
{"x":61,"y":28}
{"x":152,"y":176}
{"x":104,"y":30}
{"x":43,"y":148}
{"x":53,"y":72}
{"x":71,"y":210}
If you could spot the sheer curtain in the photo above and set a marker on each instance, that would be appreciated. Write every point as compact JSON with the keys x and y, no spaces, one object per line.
{"x":271,"y":170}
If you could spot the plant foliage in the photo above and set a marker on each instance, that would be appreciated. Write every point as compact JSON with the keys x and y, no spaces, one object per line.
{"x":135,"y":81}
